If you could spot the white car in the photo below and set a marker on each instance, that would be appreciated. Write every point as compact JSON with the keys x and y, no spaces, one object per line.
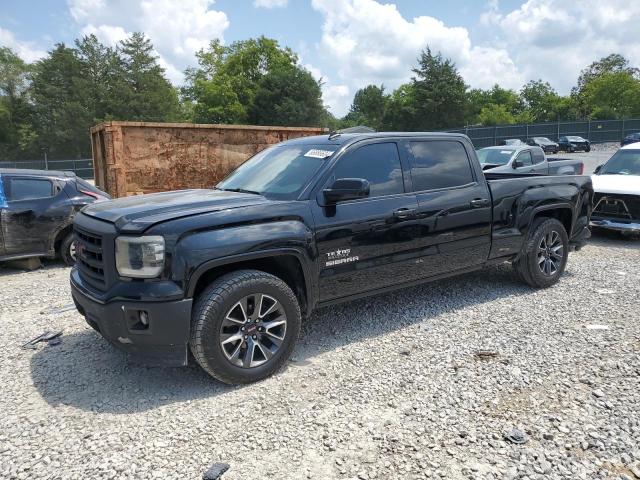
{"x":616,"y":185}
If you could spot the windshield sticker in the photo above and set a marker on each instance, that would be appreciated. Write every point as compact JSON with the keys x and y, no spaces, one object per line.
{"x":506,"y":151}
{"x":315,"y":153}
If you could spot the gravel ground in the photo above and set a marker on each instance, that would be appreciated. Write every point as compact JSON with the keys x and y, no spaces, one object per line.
{"x":389,"y":387}
{"x":599,"y":154}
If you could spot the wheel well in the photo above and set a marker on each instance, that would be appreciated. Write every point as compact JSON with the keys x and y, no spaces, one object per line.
{"x":564,"y":215}
{"x":60,"y":236}
{"x":285,"y":267}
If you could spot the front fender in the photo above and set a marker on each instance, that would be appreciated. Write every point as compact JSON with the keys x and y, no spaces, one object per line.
{"x":198,"y":252}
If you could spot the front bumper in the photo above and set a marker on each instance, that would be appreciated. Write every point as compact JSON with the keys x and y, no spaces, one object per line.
{"x":162,"y":342}
{"x":625,"y":227}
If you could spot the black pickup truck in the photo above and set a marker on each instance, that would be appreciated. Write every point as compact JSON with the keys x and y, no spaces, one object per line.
{"x":228,"y":273}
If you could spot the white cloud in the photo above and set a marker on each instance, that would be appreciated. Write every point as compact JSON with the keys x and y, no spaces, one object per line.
{"x":556,"y":39}
{"x":27,"y":51}
{"x":332,"y":94}
{"x":370,"y":42}
{"x":270,"y":3}
{"x":176,"y":29}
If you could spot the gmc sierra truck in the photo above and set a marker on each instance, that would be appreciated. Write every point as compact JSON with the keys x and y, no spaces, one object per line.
{"x":229,"y":273}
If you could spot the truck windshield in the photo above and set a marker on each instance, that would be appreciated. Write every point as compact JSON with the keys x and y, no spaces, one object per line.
{"x":279,"y":172}
{"x":623,"y":162}
{"x":494,"y":156}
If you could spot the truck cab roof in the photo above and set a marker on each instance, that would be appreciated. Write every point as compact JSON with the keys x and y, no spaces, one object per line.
{"x":342,"y":139}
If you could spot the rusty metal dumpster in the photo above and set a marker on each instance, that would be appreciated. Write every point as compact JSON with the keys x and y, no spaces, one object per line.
{"x":132,"y":158}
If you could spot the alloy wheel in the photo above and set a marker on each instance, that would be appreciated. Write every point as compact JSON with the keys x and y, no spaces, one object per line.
{"x":550,"y":253}
{"x":253,"y":330}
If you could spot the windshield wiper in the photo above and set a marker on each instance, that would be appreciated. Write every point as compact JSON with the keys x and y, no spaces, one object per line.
{"x":239,"y":190}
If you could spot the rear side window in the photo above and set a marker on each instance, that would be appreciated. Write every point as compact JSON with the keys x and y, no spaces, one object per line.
{"x":538,"y":156}
{"x":29,"y":188}
{"x":439,"y":164}
{"x":379,"y":163}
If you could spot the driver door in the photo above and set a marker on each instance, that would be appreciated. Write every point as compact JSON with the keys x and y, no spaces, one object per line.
{"x":368,"y":243}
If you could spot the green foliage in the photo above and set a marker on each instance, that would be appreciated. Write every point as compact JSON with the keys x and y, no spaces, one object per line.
{"x":368,"y":107}
{"x":148,"y":94}
{"x":287,"y":96}
{"x":541,"y":100}
{"x":495,"y":114}
{"x":439,"y":93}
{"x":228,"y":78}
{"x":613,"y":95}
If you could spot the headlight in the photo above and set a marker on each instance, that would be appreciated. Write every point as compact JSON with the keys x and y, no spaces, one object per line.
{"x":140,"y":257}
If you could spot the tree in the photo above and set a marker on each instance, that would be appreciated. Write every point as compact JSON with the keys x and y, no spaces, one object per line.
{"x":224,"y":85}
{"x":440,"y":93}
{"x":16,"y":110}
{"x":478,"y":100}
{"x":613,"y":95}
{"x":287,"y":96}
{"x":401,"y":111}
{"x":613,"y":63}
{"x":147,"y":93}
{"x":368,"y":107}
{"x":62,"y":118}
{"x":541,"y":100}
{"x":494,"y":114}
{"x":103,"y":78}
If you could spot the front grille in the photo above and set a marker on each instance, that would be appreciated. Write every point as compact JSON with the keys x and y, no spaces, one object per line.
{"x":89,"y":258}
{"x":616,"y":206}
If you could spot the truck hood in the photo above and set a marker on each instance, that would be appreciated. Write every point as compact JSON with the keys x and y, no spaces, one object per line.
{"x":620,"y":184}
{"x":137,"y":213}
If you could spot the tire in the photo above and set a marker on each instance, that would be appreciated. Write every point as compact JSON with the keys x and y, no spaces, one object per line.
{"x":588,"y":149}
{"x":67,"y":250}
{"x":218,"y":316}
{"x":538,"y":268}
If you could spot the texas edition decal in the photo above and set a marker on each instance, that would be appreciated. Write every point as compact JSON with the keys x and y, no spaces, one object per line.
{"x":338,"y":257}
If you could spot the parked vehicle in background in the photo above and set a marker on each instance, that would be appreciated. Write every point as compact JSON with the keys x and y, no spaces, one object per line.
{"x":574,"y":143}
{"x":631,"y":138}
{"x":616,"y":187}
{"x":229,"y":272}
{"x":548,"y":146}
{"x":36,"y":212}
{"x":526,"y":159}
{"x":511,"y":142}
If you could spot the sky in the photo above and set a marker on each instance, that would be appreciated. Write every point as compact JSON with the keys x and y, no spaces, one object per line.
{"x":352,"y":43}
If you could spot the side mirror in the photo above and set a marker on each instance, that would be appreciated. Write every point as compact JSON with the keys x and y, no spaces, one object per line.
{"x":598,"y":168}
{"x":346,"y":189}
{"x":516,"y":164}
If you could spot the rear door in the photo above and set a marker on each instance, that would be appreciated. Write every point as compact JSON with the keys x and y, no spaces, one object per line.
{"x":34,"y":209}
{"x":454,"y":206}
{"x":366,"y":244}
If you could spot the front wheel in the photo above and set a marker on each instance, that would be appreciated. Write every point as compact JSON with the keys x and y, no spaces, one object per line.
{"x":545,"y":253}
{"x":68,"y":250}
{"x":244,"y":326}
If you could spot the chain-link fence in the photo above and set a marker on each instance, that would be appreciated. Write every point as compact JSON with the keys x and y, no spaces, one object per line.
{"x":82,"y":167}
{"x":597,"y":131}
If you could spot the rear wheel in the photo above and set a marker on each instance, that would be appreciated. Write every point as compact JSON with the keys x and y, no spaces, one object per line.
{"x":544,"y":255}
{"x":244,"y":326}
{"x":68,"y":250}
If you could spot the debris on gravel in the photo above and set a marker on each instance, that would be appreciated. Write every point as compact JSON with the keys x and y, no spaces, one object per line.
{"x":353,"y":404}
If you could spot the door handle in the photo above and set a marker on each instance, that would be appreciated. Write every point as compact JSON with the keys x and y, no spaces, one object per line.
{"x":480,"y":202}
{"x":404,"y":213}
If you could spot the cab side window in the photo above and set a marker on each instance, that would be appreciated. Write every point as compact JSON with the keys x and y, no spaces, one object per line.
{"x":28,"y":189}
{"x":524,"y":159}
{"x":379,"y":163}
{"x":439,"y":164}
